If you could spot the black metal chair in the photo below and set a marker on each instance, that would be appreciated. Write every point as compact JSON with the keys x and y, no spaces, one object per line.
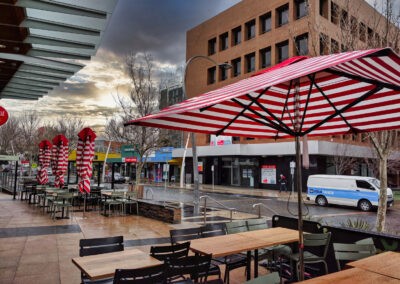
{"x":154,"y":274}
{"x":98,"y":246}
{"x":192,"y":269}
{"x":182,"y":235}
{"x":164,"y":253}
{"x":231,"y":262}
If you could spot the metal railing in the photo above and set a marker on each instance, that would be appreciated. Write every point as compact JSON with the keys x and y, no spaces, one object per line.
{"x":205,"y":197}
{"x":151,"y":191}
{"x":259,"y":205}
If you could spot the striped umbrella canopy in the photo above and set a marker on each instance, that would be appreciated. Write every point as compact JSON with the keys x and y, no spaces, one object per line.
{"x":59,"y":159}
{"x":84,"y":158}
{"x":44,"y":161}
{"x":349,"y":92}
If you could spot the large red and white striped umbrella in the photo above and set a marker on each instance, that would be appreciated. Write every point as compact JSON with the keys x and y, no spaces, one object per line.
{"x":326,"y":95}
{"x":341,"y":93}
{"x":44,"y":161}
{"x":84,"y":158}
{"x":59,"y":159}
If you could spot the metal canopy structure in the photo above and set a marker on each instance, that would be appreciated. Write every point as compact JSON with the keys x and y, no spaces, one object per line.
{"x":41,"y":42}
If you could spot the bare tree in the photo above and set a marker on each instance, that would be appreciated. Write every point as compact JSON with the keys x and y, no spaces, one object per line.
{"x":9,"y":133}
{"x":30,"y":133}
{"x":343,"y":161}
{"x":143,"y":100}
{"x":69,"y":126}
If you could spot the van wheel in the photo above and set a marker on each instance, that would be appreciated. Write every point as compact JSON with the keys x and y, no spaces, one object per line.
{"x":364,"y":205}
{"x":321,"y":200}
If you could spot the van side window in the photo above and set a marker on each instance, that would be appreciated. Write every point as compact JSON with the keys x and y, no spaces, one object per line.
{"x":364,"y":184}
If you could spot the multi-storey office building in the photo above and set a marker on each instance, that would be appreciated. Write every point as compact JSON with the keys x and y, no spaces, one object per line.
{"x":257,"y":34}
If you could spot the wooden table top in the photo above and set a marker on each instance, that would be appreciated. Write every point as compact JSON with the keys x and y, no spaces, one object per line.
{"x":235,"y":243}
{"x":352,"y":276}
{"x":386,"y":263}
{"x":104,"y":265}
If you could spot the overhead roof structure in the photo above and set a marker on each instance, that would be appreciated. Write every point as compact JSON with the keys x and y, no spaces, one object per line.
{"x":41,"y":42}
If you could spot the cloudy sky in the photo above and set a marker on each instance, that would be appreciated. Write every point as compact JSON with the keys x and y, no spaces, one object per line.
{"x":157,"y":27}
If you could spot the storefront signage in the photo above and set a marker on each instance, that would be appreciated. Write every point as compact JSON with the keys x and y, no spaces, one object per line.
{"x":268,"y":174}
{"x":200,"y":166}
{"x":3,"y":115}
{"x":220,"y":140}
{"x":130,"y":159}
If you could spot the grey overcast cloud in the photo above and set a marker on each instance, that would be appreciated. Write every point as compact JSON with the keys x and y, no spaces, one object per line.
{"x":157,"y":27}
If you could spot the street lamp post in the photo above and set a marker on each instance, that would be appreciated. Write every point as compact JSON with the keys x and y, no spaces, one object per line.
{"x":192,"y":135}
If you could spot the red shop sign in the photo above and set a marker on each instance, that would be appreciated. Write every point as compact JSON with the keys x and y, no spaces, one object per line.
{"x":3,"y":115}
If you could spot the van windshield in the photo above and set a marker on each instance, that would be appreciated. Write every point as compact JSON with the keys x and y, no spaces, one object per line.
{"x":375,"y":182}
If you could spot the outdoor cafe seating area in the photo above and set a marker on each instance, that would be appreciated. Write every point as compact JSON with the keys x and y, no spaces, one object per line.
{"x":63,"y":202}
{"x":208,"y":254}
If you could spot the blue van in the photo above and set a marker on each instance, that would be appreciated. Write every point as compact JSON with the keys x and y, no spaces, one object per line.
{"x":357,"y":191}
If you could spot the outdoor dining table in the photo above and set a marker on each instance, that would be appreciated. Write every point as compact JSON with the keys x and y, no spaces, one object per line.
{"x":103,"y":265}
{"x":386,"y":263}
{"x":225,"y":245}
{"x":351,"y":276}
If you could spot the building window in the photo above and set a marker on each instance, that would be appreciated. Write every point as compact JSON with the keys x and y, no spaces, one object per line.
{"x":334,"y":46}
{"x":211,"y":75}
{"x":344,"y":19}
{"x":235,"y":138}
{"x":236,"y":67}
{"x":282,"y":15}
{"x":282,"y":49}
{"x":323,"y":8}
{"x":265,"y":57}
{"x":250,"y":62}
{"x":323,"y":44}
{"x":265,"y":21}
{"x":250,"y":29}
{"x":237,"y":35}
{"x":335,"y":13}
{"x":223,"y":73}
{"x":302,"y":44}
{"x":353,"y":27}
{"x":249,"y":138}
{"x":370,"y":36}
{"x":301,"y":8}
{"x":223,"y":40}
{"x":212,"y":44}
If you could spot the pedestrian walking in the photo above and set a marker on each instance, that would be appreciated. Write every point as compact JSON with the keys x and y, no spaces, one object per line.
{"x":283,"y":182}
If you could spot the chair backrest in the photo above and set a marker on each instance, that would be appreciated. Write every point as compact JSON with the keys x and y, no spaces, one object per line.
{"x":100,"y":245}
{"x":131,"y":195}
{"x":236,"y":227}
{"x":196,"y":266}
{"x":211,"y":230}
{"x":153,"y":274}
{"x":257,"y":224}
{"x":348,"y":252}
{"x":367,"y":241}
{"x":318,"y":240}
{"x":170,"y":251}
{"x":179,"y":235}
{"x":67,"y":196}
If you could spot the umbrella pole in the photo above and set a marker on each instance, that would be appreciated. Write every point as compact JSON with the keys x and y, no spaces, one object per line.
{"x":300,"y":213}
{"x":84,"y":205}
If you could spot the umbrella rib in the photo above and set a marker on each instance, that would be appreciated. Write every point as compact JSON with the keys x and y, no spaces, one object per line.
{"x":286,"y":108}
{"x":359,"y":99}
{"x":333,"y":106}
{"x":312,"y":81}
{"x":240,"y":113}
{"x":270,"y":123}
{"x":362,"y":79}
{"x":283,"y":127}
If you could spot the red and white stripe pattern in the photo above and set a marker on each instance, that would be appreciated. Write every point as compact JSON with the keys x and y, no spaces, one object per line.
{"x":84,"y":158}
{"x":59,"y":159}
{"x":355,"y":91}
{"x":44,"y":161}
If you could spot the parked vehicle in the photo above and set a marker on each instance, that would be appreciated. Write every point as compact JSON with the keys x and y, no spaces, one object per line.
{"x":357,"y":191}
